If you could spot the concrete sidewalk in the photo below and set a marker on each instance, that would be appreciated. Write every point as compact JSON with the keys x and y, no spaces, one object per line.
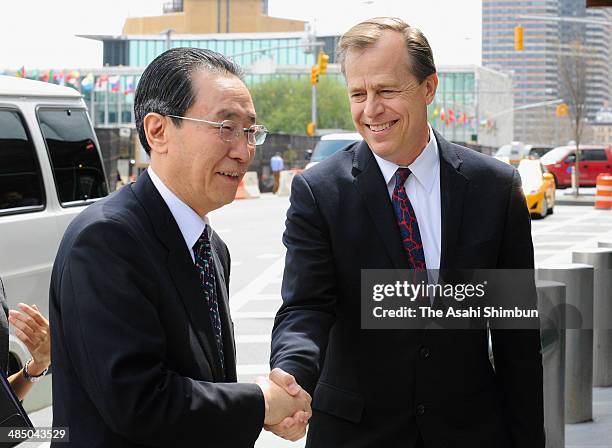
{"x":566,"y":197}
{"x":597,"y":433}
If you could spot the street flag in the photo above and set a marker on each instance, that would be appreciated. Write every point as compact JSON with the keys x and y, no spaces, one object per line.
{"x":114,"y":83}
{"x":87,"y":82}
{"x":59,"y":78}
{"x":129,"y":88}
{"x":73,"y":78}
{"x":101,"y":83}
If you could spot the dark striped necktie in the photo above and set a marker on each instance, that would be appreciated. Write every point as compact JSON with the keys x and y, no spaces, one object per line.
{"x":206,"y":268}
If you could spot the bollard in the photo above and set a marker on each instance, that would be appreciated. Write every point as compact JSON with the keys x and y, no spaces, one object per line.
{"x":551,"y":301}
{"x":601,"y":260}
{"x":578,"y":280}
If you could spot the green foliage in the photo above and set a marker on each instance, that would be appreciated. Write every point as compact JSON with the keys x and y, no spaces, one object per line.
{"x":284,"y":104}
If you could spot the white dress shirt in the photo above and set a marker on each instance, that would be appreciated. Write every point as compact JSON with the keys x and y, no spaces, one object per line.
{"x":189,"y":222}
{"x":423,"y":190}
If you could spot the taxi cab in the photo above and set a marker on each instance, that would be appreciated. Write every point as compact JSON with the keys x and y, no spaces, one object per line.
{"x":538,"y":186}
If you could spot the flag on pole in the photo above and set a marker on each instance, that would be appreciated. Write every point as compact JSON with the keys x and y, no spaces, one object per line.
{"x":114,"y":82}
{"x":88,"y":82}
{"x":129,"y":88}
{"x":101,"y":83}
{"x":60,"y":78}
{"x":73,"y":78}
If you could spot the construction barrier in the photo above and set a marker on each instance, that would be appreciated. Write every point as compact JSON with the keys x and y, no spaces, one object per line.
{"x":249,"y":186}
{"x":286,"y":177}
{"x":603,"y":194}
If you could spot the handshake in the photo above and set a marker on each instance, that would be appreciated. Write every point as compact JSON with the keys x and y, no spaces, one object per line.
{"x":287,"y":405}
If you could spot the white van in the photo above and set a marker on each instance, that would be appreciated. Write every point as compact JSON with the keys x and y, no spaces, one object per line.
{"x":331,"y":144}
{"x":50,"y":170}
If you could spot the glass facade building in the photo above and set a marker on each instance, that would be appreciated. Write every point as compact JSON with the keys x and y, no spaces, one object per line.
{"x":467,"y":106}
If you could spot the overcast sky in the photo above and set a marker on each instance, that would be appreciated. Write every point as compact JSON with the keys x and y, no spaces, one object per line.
{"x":41,"y":33}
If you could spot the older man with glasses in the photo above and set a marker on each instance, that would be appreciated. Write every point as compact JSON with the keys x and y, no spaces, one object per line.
{"x":143,"y":344}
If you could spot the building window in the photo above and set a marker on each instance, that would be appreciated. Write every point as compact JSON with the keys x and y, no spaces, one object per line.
{"x":264,"y":7}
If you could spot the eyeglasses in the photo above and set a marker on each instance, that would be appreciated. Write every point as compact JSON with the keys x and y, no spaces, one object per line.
{"x":230,"y":131}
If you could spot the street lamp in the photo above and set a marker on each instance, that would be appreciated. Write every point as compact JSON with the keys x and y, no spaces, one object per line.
{"x":168,"y":32}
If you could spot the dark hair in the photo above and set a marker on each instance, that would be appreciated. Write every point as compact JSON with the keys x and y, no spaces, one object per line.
{"x":165,"y":86}
{"x":366,"y":34}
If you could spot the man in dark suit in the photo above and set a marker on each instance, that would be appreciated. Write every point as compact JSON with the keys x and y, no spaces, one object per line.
{"x":143,"y":344}
{"x":404,"y":198}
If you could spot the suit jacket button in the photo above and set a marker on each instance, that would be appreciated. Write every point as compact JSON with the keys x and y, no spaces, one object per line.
{"x":425,"y":352}
{"x":420,"y":409}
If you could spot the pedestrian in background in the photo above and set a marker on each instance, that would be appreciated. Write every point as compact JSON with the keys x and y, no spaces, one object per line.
{"x":277,"y":164}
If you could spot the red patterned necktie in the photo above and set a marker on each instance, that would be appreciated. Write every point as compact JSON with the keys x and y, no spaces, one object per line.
{"x":407,"y":222}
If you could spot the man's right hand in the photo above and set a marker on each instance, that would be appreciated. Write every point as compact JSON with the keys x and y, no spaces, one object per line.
{"x":280,"y":404}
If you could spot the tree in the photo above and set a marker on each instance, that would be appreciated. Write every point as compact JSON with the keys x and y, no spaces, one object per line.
{"x":573,"y":73}
{"x":284,"y":104}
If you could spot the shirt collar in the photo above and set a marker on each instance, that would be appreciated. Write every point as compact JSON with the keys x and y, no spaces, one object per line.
{"x":189,"y":222}
{"x":424,"y":166}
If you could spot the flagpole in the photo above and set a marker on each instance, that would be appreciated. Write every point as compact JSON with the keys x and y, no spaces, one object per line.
{"x":119,"y":94}
{"x":93,"y":103}
{"x":106,"y":104}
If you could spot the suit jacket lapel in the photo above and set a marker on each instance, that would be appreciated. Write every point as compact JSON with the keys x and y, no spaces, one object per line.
{"x":229,"y":346}
{"x":371,"y":185}
{"x":453,"y":185}
{"x":181,"y":268}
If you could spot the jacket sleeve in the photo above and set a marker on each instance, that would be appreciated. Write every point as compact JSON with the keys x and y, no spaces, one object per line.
{"x":111,"y":328}
{"x":303,"y":322}
{"x":517,"y":353}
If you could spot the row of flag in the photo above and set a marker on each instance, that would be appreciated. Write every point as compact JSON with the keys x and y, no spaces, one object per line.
{"x":449,"y":116}
{"x":86,"y":83}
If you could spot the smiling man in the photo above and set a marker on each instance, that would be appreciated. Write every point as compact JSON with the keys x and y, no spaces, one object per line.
{"x":404,"y":198}
{"x":143,"y":344}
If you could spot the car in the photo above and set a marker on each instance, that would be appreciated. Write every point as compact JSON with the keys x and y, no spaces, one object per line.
{"x":594,"y":160}
{"x":50,"y":170}
{"x":514,"y":152}
{"x":330,"y":144}
{"x":537,"y":151}
{"x":538,"y":187}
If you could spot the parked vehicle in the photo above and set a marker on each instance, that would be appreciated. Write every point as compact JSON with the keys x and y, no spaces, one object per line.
{"x":514,"y":152}
{"x":330,"y":144}
{"x":50,"y":170}
{"x":537,"y":151}
{"x":594,"y":160}
{"x":538,"y":187}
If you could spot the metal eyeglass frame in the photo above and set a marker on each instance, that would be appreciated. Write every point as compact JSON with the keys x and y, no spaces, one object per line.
{"x":250,"y":131}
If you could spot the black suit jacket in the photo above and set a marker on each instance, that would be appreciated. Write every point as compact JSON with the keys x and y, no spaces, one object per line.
{"x":134,"y":357}
{"x":375,"y":388}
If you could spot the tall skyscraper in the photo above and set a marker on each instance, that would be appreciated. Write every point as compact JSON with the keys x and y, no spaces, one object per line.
{"x":537,"y":71}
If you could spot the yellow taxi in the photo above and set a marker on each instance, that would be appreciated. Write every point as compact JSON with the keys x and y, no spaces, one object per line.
{"x":538,"y":186}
